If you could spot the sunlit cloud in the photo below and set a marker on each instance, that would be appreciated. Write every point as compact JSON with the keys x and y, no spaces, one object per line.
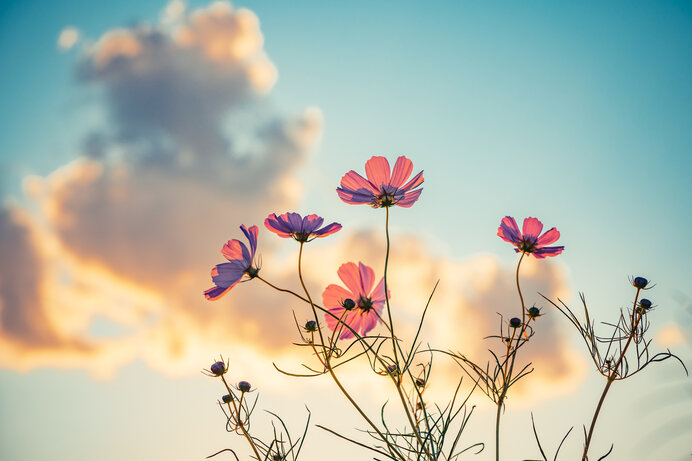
{"x":68,"y":38}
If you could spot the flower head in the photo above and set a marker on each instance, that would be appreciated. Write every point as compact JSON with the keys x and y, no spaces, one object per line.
{"x":640,"y":282}
{"x":227,"y":275}
{"x":529,"y":241}
{"x":302,"y":229}
{"x":218,"y":368}
{"x":384,"y":187}
{"x":359,"y":280}
{"x":244,"y":386}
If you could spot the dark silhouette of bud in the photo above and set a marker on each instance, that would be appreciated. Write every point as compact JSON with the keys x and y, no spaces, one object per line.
{"x":310,"y":326}
{"x":514,"y":322}
{"x":640,"y":282}
{"x":244,"y":386}
{"x":392,"y":369}
{"x":645,"y":303}
{"x":218,"y":368}
{"x":228,"y":398}
{"x":348,"y":304}
{"x":534,"y":312}
{"x":420,"y":382}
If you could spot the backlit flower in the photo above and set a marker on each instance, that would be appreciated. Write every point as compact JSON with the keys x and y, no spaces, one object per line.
{"x":384,"y":187}
{"x":528,"y":241}
{"x":227,"y":275}
{"x":359,"y":280}
{"x":302,"y":229}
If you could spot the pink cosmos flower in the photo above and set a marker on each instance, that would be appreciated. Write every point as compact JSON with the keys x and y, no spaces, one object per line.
{"x":363,"y":303}
{"x":382,"y":189}
{"x":302,"y":229}
{"x":529,"y":241}
{"x":227,"y":275}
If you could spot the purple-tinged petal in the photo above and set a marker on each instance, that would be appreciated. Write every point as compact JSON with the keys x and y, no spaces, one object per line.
{"x":532,"y":228}
{"x":327,"y":230}
{"x":548,"y":237}
{"x":368,"y":322}
{"x":227,"y":274}
{"x":508,"y":230}
{"x":273,"y":224}
{"x":410,"y":198}
{"x":348,"y":273}
{"x":311,"y":223}
{"x":215,"y":293}
{"x":377,"y":295}
{"x":413,"y":183}
{"x":353,"y":181}
{"x":233,"y":250}
{"x":359,"y":197}
{"x":548,"y":251}
{"x":294,"y":221}
{"x":251,"y":235}
{"x":377,"y":169}
{"x":367,"y":278}
{"x":402,"y":170}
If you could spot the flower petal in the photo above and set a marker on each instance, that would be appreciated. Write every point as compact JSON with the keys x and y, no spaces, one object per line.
{"x":353,"y":181}
{"x":334,"y":295}
{"x":547,"y":251}
{"x":348,"y":273}
{"x":359,"y":197}
{"x":548,"y":237}
{"x":377,"y":169}
{"x":410,"y":198}
{"x":294,"y":221}
{"x":413,"y":183}
{"x":377,"y":296}
{"x":327,"y":230}
{"x":367,"y":278}
{"x":233,"y":250}
{"x":402,"y":170}
{"x":310,"y":223}
{"x":368,"y":322}
{"x":532,"y":228}
{"x":277,"y":225}
{"x":508,"y":230}
{"x":214,"y":293}
{"x":226,"y":274}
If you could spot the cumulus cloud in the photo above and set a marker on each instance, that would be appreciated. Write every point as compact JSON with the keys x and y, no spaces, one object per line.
{"x":113,"y":266}
{"x":68,"y":38}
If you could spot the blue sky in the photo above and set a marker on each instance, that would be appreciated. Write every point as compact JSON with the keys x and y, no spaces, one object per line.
{"x":578,"y":114}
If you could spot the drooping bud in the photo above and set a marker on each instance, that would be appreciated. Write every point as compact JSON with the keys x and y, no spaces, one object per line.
{"x":228,"y":398}
{"x":640,"y":282}
{"x":514,"y":322}
{"x":244,"y":386}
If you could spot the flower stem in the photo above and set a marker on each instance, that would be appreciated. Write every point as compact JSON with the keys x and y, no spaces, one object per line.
{"x":240,"y":421}
{"x":636,"y":317}
{"x":508,"y":377}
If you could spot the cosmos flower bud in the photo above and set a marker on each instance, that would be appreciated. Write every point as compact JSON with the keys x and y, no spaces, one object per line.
{"x":277,"y":457}
{"x":310,"y":326}
{"x":534,"y":312}
{"x":348,"y":304}
{"x":392,"y":369}
{"x":514,"y":322}
{"x":645,"y":303}
{"x":640,"y":282}
{"x":218,"y":368}
{"x":420,"y":382}
{"x":228,"y":398}
{"x":244,"y":386}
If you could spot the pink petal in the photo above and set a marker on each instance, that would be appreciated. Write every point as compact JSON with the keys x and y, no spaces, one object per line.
{"x":355,"y":182}
{"x":532,"y":228}
{"x":277,"y":225}
{"x":410,"y":198}
{"x":377,"y":170}
{"x":377,"y":295}
{"x":402,"y":170}
{"x":251,"y":235}
{"x":355,"y":198}
{"x":367,"y":278}
{"x":233,"y":250}
{"x":311,"y":223}
{"x":368,"y":322}
{"x":508,"y":230}
{"x":328,"y":230}
{"x":413,"y":183}
{"x":334,"y":295}
{"x":215,"y":293}
{"x":548,"y":237}
{"x":348,"y":273}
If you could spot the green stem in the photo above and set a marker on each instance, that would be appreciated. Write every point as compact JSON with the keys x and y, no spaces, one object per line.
{"x":508,"y":378}
{"x":636,"y":317}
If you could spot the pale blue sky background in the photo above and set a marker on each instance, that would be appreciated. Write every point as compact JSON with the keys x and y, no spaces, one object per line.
{"x":576,"y":113}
